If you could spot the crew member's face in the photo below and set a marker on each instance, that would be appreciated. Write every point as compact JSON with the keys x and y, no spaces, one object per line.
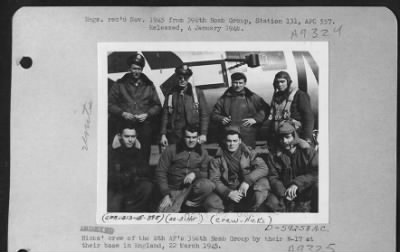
{"x":233,"y":142}
{"x":282,"y":84}
{"x":238,"y":85}
{"x":128,"y":137}
{"x":287,"y":141}
{"x":183,"y":80}
{"x":136,"y":70}
{"x":191,"y":139}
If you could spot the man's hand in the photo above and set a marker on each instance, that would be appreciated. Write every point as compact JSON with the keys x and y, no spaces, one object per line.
{"x":309,"y":141}
{"x":247,"y":122}
{"x":202,"y":139}
{"x":189,"y":178}
{"x":165,"y":202}
{"x":235,"y":196}
{"x":142,"y":117}
{"x":243,"y":188}
{"x":128,"y":116}
{"x":164,"y":141}
{"x":291,"y":192}
{"x":226,"y":120}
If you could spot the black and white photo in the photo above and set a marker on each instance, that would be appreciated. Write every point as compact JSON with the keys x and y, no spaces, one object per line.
{"x":206,"y":131}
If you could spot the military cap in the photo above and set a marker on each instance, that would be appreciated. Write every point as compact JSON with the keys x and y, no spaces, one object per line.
{"x":183,"y":70}
{"x":136,"y":59}
{"x":286,"y":127}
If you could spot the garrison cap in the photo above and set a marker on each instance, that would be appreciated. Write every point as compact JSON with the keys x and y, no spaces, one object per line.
{"x":136,"y":59}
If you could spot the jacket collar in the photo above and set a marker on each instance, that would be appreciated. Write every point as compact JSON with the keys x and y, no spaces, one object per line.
{"x":117,"y":143}
{"x":245,"y":150}
{"x":180,"y":147}
{"x":281,"y":96}
{"x":188,"y":89}
{"x":143,"y":79}
{"x":298,"y":143}
{"x":230,"y":92}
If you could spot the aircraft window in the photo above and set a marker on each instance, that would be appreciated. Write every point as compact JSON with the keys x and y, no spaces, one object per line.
{"x":209,"y":74}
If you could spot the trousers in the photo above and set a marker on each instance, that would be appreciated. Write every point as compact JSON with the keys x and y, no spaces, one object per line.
{"x":306,"y":201}
{"x":196,"y":194}
{"x":256,"y":195}
{"x":135,"y":197}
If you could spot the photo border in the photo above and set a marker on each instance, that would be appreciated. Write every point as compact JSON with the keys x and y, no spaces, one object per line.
{"x":102,"y":217}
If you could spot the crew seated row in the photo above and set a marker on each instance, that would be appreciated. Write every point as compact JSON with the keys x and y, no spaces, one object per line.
{"x":236,"y":179}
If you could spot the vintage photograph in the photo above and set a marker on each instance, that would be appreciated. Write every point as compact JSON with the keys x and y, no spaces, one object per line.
{"x":197,"y":127}
{"x":226,"y":128}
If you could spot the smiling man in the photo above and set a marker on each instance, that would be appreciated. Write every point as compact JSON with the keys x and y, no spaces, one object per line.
{"x":181,"y":174}
{"x":240,"y":107}
{"x":134,"y":98}
{"x":186,"y":105}
{"x":239,"y":176}
{"x":129,"y":184}
{"x":293,"y":173}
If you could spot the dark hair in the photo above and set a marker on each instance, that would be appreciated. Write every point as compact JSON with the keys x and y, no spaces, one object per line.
{"x":191,"y":128}
{"x":232,"y":132}
{"x":238,"y":76}
{"x":126,"y":125}
{"x":280,"y":75}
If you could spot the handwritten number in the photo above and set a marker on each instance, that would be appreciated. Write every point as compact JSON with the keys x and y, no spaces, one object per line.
{"x":311,"y":248}
{"x":338,"y":29}
{"x":294,"y":34}
{"x":87,"y":112}
{"x":330,"y":247}
{"x":315,"y":33}
{"x":303,"y":31}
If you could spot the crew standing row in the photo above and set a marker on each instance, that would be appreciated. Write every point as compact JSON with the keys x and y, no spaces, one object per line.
{"x":134,"y":98}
